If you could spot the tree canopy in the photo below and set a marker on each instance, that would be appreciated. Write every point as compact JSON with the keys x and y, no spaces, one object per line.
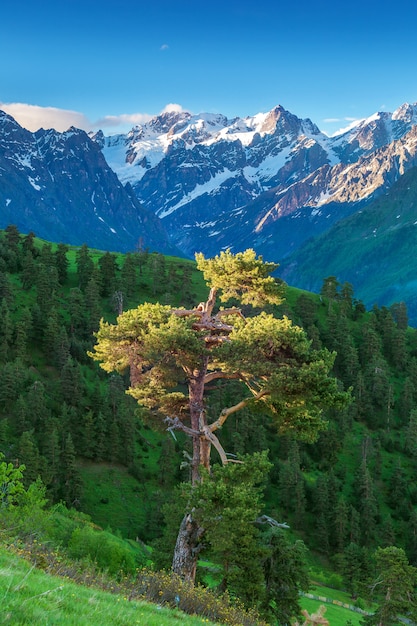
{"x":175,"y":356}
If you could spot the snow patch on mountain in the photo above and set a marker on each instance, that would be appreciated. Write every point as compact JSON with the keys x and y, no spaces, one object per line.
{"x":207,"y":188}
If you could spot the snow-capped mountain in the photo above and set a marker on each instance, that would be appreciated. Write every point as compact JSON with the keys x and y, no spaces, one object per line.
{"x":269,"y":181}
{"x":60,"y":186}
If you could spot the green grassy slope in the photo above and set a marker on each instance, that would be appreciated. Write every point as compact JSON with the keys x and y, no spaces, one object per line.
{"x":30,"y":596}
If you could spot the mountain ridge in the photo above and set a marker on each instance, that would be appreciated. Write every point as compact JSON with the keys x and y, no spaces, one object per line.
{"x":221,"y":183}
{"x":272,"y":182}
{"x":60,"y":186}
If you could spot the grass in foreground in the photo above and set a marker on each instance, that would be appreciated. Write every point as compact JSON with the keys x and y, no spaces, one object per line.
{"x":336,"y":615}
{"x":29,"y":596}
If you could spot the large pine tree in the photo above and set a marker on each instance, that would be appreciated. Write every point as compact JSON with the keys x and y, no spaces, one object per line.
{"x":173,"y":355}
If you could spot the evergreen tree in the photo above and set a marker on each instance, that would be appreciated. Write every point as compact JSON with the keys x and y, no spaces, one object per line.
{"x":163,"y":347}
{"x":47,"y":287}
{"x":61,"y":262}
{"x":93,"y":303}
{"x":85,"y":266}
{"x":330,"y":290}
{"x":322,"y":514}
{"x":21,"y":416}
{"x":340,"y":525}
{"x":368,"y":504}
{"x":28,"y":244}
{"x":398,"y":495}
{"x":411,"y":435}
{"x":71,"y":383}
{"x":306,"y":309}
{"x":28,"y":274}
{"x":77,"y":312}
{"x":6,"y":291}
{"x":227,"y":507}
{"x":12,"y":241}
{"x":286,"y":574}
{"x":29,"y":456}
{"x":6,"y":331}
{"x":50,"y":450}
{"x":70,"y":477}
{"x":37,"y":401}
{"x":108,"y":274}
{"x":400,"y":315}
{"x":23,"y":330}
{"x":395,"y":587}
{"x":129,"y":283}
{"x":159,"y":277}
{"x":353,"y":569}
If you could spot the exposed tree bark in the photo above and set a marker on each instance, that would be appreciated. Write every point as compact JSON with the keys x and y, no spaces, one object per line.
{"x":187,"y":547}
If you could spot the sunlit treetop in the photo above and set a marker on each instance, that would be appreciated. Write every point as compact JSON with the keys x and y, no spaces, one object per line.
{"x":242,"y":276}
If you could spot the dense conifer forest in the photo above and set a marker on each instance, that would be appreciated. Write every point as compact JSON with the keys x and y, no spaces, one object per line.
{"x":344,"y":497}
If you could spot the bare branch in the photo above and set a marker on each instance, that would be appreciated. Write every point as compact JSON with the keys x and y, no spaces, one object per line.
{"x":187,"y":312}
{"x":218,"y":374}
{"x":212,"y":326}
{"x":225,"y":312}
{"x":176,"y":424}
{"x":216,"y":443}
{"x":265,"y":519}
{"x":233,"y":409}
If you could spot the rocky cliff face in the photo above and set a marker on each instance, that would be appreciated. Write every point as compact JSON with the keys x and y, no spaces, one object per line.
{"x":60,"y":186}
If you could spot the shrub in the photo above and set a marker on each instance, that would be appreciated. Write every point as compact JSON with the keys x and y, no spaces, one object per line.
{"x":103,"y":549}
{"x":168,"y":589}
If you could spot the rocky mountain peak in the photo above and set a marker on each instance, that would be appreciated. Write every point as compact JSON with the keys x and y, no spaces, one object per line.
{"x":406,"y":113}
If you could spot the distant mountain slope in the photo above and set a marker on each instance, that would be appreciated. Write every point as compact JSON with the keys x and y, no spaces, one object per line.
{"x":374,"y":249}
{"x":60,"y":186}
{"x":270,"y":181}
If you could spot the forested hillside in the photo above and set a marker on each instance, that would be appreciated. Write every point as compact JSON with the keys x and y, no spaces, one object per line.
{"x":345,"y":495}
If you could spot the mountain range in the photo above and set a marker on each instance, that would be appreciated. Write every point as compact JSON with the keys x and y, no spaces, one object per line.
{"x":272,"y":181}
{"x":60,"y":186}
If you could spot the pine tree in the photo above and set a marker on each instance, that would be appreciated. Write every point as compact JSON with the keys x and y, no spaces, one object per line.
{"x":70,"y":476}
{"x":23,"y":330}
{"x":85,"y":266}
{"x":163,"y":348}
{"x":340,"y":525}
{"x":6,"y":331}
{"x":286,"y":574}
{"x":108,"y":274}
{"x":71,"y":383}
{"x":28,"y":274}
{"x":29,"y":456}
{"x":365,"y":491}
{"x":93,"y":303}
{"x":395,"y":587}
{"x":61,"y":262}
{"x":353,"y":570}
{"x":37,"y":401}
{"x":129,"y":283}
{"x":28,"y":244}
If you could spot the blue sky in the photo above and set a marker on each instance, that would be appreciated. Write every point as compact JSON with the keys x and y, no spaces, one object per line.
{"x":110,"y":64}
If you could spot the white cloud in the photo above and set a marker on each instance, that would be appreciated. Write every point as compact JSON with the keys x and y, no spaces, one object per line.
{"x":131,"y":119}
{"x":33,"y":117}
{"x":334,"y":120}
{"x":172,"y":108}
{"x":335,"y":130}
{"x":164,"y":46}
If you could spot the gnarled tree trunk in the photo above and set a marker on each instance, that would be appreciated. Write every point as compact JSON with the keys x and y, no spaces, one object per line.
{"x":187,"y":547}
